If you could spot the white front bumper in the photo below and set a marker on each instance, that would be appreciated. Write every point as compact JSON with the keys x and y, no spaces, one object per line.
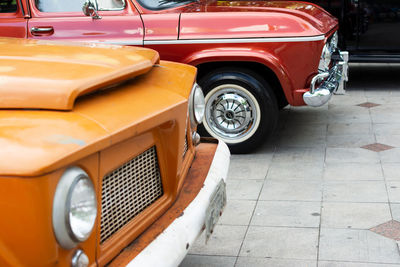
{"x":170,"y":247}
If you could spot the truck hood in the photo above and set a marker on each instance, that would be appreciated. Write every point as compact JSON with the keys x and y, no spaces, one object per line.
{"x":48,"y":75}
{"x":43,"y":127}
{"x":245,"y":19}
{"x":36,"y":142}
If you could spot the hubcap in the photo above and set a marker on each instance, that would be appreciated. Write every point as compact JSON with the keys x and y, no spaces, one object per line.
{"x":231,"y":112}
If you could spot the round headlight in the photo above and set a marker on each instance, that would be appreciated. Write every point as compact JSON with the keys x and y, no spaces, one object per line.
{"x":196,"y":105}
{"x":82,"y":208}
{"x":325,"y":59}
{"x":74,"y":208}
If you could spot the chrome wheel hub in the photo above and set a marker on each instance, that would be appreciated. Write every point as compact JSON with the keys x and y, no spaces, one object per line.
{"x":230,"y":112}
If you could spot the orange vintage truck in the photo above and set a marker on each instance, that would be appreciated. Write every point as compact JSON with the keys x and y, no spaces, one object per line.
{"x":100,"y":159}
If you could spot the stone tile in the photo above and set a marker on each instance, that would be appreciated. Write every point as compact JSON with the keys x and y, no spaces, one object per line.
{"x":304,"y":129}
{"x":253,"y":158}
{"x":243,"y":189}
{"x":237,"y":212}
{"x":354,"y":215}
{"x":352,"y":264}
{"x":385,"y":115}
{"x":364,"y":191}
{"x":385,"y":100}
{"x":349,"y":155}
{"x":390,"y":156}
{"x":391,"y":171}
{"x":349,"y":128}
{"x":350,"y":98}
{"x":302,"y":140}
{"x":389,"y":229}
{"x":268,"y":147}
{"x":388,"y":129}
{"x":291,"y":190}
{"x":297,"y":155}
{"x":349,"y":141}
{"x":287,"y":214}
{"x":207,"y":261}
{"x":388,"y":108}
{"x":391,"y":140}
{"x":295,"y":171}
{"x":377,"y":147}
{"x":249,"y":166}
{"x":356,"y":245}
{"x":265,"y":262}
{"x":395,"y":211}
{"x":353,"y":171}
{"x":393,"y":191}
{"x":288,"y":243}
{"x":348,"y":110}
{"x":377,"y":91}
{"x":225,"y":241}
{"x":350,"y":118}
{"x":308,"y":115}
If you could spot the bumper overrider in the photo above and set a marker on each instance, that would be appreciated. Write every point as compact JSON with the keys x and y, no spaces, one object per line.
{"x":171,"y":246}
{"x":324,"y":84}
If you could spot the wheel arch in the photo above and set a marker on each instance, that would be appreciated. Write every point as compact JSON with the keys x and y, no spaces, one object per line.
{"x":263,"y":63}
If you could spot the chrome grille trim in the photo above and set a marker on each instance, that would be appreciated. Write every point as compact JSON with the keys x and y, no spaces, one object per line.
{"x":128,"y":190}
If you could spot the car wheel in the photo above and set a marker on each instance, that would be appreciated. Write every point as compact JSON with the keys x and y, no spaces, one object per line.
{"x":241,"y":108}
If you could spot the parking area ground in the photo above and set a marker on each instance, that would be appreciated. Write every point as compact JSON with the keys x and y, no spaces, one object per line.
{"x":324,"y":192}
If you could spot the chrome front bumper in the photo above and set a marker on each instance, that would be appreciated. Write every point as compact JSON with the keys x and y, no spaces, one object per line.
{"x":324,"y":84}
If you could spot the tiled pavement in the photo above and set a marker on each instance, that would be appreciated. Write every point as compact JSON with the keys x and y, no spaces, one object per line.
{"x":324,"y":192}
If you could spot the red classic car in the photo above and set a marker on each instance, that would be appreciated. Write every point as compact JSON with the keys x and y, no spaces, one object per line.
{"x":252,"y":57}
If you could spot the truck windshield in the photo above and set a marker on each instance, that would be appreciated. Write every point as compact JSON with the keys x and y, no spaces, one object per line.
{"x":163,"y":4}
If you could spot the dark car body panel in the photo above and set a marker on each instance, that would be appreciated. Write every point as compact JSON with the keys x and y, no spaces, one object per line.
{"x":369,"y":29}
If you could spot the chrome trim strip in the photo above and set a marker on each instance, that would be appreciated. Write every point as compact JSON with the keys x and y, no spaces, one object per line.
{"x":221,"y":41}
{"x":238,"y":40}
{"x":121,"y":42}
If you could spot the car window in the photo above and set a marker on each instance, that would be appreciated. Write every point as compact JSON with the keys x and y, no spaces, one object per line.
{"x":76,"y":5}
{"x":8,"y":6}
{"x":163,"y":4}
{"x":111,"y":4}
{"x":59,"y":5}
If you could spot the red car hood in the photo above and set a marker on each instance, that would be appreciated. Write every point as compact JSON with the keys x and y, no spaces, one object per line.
{"x":257,"y":19}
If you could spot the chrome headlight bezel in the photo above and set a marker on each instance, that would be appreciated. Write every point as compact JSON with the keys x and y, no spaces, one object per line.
{"x":333,"y":42}
{"x":325,"y":60}
{"x":196,"y":105}
{"x":62,"y":225}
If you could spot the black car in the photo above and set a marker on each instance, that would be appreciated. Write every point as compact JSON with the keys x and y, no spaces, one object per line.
{"x":369,"y":29}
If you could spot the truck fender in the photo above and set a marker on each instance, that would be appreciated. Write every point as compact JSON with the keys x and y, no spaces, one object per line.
{"x":7,"y":257}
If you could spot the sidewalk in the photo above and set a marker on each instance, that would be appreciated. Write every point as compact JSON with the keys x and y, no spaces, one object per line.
{"x":325,"y":191}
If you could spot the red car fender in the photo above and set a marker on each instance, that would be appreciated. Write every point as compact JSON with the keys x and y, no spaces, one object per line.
{"x":237,"y":54}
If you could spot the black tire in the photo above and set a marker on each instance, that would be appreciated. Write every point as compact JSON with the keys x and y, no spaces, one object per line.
{"x":255,"y":118}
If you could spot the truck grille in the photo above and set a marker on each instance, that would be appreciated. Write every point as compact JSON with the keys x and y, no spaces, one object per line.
{"x":128,"y":190}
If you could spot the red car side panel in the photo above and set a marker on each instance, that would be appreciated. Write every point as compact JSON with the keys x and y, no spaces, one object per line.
{"x":13,"y":24}
{"x":243,"y":25}
{"x":279,"y":57}
{"x":114,"y":26}
{"x":161,"y":26}
{"x":293,"y":61}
